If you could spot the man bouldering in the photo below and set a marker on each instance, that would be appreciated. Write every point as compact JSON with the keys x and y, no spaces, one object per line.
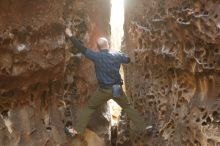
{"x":107,"y":64}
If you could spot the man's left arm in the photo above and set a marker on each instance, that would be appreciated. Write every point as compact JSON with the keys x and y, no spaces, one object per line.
{"x":124,"y":58}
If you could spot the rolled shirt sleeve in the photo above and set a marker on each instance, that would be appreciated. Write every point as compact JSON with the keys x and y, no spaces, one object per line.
{"x":81,"y":48}
{"x":91,"y":54}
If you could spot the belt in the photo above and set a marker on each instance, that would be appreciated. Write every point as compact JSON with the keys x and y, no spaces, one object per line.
{"x":106,"y":86}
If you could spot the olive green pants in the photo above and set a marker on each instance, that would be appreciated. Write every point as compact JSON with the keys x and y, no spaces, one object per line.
{"x":100,"y":97}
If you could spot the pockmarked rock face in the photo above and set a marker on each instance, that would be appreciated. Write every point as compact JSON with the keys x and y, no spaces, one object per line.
{"x":31,"y":40}
{"x":42,"y":86}
{"x":174,"y":78}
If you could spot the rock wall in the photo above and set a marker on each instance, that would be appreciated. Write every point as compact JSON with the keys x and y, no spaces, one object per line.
{"x":174,"y":79}
{"x":41,"y":82}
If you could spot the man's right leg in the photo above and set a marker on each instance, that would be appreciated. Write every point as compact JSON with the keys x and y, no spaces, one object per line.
{"x":131,"y":112}
{"x":100,"y":96}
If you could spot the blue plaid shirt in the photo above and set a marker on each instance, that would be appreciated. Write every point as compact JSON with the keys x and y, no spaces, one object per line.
{"x":107,"y":65}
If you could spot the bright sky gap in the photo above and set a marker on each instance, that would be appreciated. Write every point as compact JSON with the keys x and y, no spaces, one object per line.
{"x":117,"y":33}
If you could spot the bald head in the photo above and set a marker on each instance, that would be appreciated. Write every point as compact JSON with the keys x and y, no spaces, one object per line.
{"x":102,"y":43}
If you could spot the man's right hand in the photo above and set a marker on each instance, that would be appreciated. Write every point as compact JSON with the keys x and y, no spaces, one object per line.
{"x":68,"y":32}
{"x":75,"y":41}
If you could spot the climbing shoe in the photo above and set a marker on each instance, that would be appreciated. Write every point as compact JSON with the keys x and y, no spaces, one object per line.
{"x":70,"y":131}
{"x":149,"y":130}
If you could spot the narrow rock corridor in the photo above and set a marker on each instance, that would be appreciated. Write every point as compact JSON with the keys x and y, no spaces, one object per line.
{"x":173,"y":79}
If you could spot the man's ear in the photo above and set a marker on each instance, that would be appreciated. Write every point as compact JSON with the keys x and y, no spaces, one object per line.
{"x":98,"y":45}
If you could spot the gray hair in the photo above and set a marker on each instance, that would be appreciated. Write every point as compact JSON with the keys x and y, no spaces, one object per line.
{"x":102,"y":42}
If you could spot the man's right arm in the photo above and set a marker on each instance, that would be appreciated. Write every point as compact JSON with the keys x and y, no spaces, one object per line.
{"x":82,"y":49}
{"x":87,"y":52}
{"x":75,"y":41}
{"x":78,"y":45}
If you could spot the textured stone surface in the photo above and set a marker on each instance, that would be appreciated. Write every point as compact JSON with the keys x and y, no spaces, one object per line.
{"x":173,"y":81}
{"x":42,"y":85}
{"x":174,"y":78}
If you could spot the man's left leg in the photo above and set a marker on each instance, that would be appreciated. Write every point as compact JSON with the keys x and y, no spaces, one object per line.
{"x":131,"y":112}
